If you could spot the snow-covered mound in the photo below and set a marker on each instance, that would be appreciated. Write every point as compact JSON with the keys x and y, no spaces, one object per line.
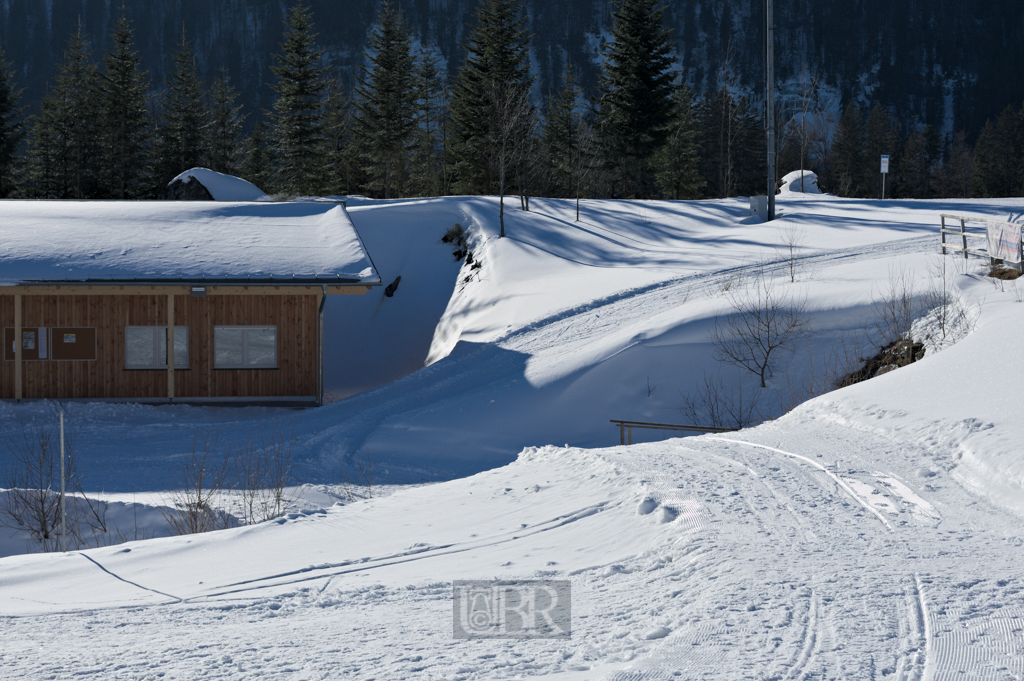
{"x":791,"y":183}
{"x":222,"y":187}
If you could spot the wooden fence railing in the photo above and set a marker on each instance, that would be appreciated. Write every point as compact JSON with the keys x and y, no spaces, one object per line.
{"x":963,"y":234}
{"x":626,"y":429}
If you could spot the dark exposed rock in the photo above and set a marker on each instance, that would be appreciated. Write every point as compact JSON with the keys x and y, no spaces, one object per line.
{"x":193,"y":190}
{"x":893,"y":356}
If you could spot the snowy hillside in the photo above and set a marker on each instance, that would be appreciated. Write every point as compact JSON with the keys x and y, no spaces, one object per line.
{"x":871,"y":533}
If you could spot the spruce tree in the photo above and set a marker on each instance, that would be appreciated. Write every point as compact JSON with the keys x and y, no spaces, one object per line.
{"x":998,"y":170}
{"x":386,"y":104}
{"x":677,"y":163}
{"x":881,"y":137}
{"x":63,"y":147}
{"x":342,"y":167}
{"x":11,"y":129}
{"x":225,"y":148}
{"x":181,"y":140}
{"x":497,"y":63}
{"x":258,"y":167}
{"x":563,"y":120}
{"x":847,"y":158}
{"x":426,"y":164}
{"x":297,"y":115}
{"x":125,"y":121}
{"x":954,"y":180}
{"x":918,"y":164}
{"x":636,"y":93}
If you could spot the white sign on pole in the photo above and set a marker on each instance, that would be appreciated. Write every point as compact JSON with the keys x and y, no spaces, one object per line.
{"x":885,"y":164}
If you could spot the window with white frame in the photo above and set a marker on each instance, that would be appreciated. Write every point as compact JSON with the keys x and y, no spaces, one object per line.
{"x":145,"y":347}
{"x":245,"y":347}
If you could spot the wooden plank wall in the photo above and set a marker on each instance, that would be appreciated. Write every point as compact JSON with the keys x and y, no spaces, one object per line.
{"x":294,"y":315}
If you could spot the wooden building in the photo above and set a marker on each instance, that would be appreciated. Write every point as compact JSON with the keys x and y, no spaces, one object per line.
{"x":199,"y":302}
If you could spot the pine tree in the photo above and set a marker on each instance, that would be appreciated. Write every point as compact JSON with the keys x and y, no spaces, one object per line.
{"x":954,"y":180}
{"x":918,"y":163}
{"x":497,"y":62}
{"x":182,"y":137}
{"x":11,"y":129}
{"x":126,"y":124}
{"x":258,"y":167}
{"x":63,"y":148}
{"x":848,"y":152}
{"x":881,"y":137}
{"x":297,"y":115}
{"x":426,"y":165}
{"x":563,"y":120}
{"x":225,"y":148}
{"x":636,"y":93}
{"x":386,"y":104}
{"x":342,"y":167}
{"x":677,"y":163}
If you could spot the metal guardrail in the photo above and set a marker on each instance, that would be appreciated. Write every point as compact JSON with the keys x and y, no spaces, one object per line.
{"x":626,"y":429}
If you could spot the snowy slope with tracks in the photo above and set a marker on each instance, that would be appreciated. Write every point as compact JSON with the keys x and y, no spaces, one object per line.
{"x":870,"y":533}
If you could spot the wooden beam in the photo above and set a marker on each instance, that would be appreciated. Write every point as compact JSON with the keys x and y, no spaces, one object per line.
{"x":170,"y":346}
{"x":17,"y":347}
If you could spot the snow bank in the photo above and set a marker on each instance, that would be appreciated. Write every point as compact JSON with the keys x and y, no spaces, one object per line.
{"x":223,"y":187}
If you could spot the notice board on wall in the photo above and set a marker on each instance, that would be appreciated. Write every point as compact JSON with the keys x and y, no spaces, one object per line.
{"x":73,"y":343}
{"x":34,"y":343}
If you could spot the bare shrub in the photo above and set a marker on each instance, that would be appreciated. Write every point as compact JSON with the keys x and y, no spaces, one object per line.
{"x":896,"y":309}
{"x":764,"y":324}
{"x":715,"y":404}
{"x":262,"y":472}
{"x":202,"y":478}
{"x":361,"y":477}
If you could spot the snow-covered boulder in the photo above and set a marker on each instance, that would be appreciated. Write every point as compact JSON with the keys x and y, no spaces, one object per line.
{"x":203,"y":184}
{"x":791,"y":183}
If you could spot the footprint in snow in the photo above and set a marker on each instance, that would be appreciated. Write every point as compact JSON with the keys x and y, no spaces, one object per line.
{"x":659,"y":632}
{"x":646,"y":506}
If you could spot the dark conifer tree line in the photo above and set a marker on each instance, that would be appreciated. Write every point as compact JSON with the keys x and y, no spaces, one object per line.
{"x":405,"y":129}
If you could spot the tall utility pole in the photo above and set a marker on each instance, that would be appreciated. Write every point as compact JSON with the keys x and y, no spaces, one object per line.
{"x":770,"y":105}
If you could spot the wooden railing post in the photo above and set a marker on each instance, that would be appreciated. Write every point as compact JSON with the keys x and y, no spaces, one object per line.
{"x":963,"y":236}
{"x":170,"y":346}
{"x":18,"y":342}
{"x":942,"y":233}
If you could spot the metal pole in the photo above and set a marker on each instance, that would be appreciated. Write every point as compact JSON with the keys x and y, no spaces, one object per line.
{"x":63,"y":508}
{"x":942,"y":233}
{"x":770,"y":108}
{"x":883,"y":186}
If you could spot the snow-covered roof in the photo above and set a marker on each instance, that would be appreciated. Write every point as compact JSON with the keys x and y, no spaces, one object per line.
{"x":223,"y":187}
{"x":187,"y":241}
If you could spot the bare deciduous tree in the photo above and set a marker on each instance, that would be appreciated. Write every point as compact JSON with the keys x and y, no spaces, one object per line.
{"x":511,"y":112}
{"x":717,"y":405}
{"x":32,"y":501}
{"x":764,"y":324}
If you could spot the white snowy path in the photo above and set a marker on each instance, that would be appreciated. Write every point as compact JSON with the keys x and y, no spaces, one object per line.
{"x":751,"y":563}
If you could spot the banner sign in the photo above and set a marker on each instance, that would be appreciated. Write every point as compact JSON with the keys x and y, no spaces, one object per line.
{"x":1003,"y":240}
{"x":885,"y":164}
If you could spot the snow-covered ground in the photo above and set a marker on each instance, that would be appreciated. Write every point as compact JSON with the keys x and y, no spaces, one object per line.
{"x":874,"y":532}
